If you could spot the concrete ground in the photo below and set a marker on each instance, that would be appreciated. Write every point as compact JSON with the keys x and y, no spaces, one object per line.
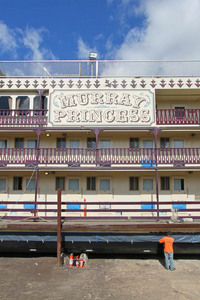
{"x":108,"y":277}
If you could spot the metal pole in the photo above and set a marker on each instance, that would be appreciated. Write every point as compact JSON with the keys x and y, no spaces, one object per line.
{"x":156,"y":163}
{"x":59,"y":229}
{"x":36,"y":187}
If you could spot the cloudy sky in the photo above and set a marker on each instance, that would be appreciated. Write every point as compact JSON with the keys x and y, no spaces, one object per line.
{"x":116,"y":29}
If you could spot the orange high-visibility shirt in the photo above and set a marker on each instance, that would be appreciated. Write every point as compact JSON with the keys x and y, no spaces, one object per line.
{"x":168,"y":243}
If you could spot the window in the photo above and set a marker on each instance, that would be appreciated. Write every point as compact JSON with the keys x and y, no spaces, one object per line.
{"x":73,"y":184}
{"x":3,"y":144}
{"x":147,"y":184}
{"x":164,"y":183}
{"x":22,"y":102}
{"x":61,"y":143}
{"x":147,"y":144}
{"x":105,"y":144}
{"x":164,"y":143}
{"x":91,"y":183}
{"x":179,"y":112}
{"x":104,"y":184}
{"x":178,"y":144}
{"x":5,"y":102}
{"x":39,"y":104}
{"x":134,"y":143}
{"x":30,"y":184}
{"x":32,"y":144}
{"x":74,"y":144}
{"x":17,"y":183}
{"x":60,"y":183}
{"x":19,"y":143}
{"x":91,"y":143}
{"x":2,"y":184}
{"x":179,"y":184}
{"x":134,"y":183}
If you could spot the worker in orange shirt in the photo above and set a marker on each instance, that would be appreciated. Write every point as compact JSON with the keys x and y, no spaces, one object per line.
{"x":168,"y":251}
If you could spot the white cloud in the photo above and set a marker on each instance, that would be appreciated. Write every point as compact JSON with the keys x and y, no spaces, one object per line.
{"x":83,"y":49}
{"x":7,"y":39}
{"x":170,"y":31}
{"x":32,"y":39}
{"x":26,"y":44}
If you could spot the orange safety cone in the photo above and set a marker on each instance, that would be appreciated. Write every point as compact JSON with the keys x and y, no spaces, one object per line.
{"x":71,"y":260}
{"x":85,"y":213}
{"x":77,"y":261}
{"x":81,"y":263}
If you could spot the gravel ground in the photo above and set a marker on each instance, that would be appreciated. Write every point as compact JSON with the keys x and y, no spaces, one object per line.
{"x":127,"y":278}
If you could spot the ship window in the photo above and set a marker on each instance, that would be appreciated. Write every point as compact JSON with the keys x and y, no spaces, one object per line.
{"x":5,"y":102}
{"x":17,"y":183}
{"x":73,"y":184}
{"x":3,"y":144}
{"x":22,"y":102}
{"x":179,"y":112}
{"x":91,"y":143}
{"x":147,"y":184}
{"x":32,"y":144}
{"x":104,"y":184}
{"x":61,"y":144}
{"x":134,"y":183}
{"x":60,"y":183}
{"x":30,"y":184}
{"x":19,"y":143}
{"x":37,"y":105}
{"x":164,"y":182}
{"x":179,"y":184}
{"x":2,"y":184}
{"x":91,"y":183}
{"x":134,"y":143}
{"x":164,"y":143}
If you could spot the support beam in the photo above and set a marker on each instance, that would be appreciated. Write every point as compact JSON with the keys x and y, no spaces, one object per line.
{"x":59,"y":229}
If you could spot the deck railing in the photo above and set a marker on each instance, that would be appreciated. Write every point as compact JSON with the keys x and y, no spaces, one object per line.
{"x":23,"y":118}
{"x":110,"y":210}
{"x":178,"y":116}
{"x":101,"y":157}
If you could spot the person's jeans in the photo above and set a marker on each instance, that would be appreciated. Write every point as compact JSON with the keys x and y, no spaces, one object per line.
{"x":169,"y":256}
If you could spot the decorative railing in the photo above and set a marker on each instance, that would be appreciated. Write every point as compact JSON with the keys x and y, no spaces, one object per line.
{"x":9,"y":117}
{"x":100,"y":157}
{"x":178,"y":116}
{"x":93,"y":209}
{"x":23,"y":118}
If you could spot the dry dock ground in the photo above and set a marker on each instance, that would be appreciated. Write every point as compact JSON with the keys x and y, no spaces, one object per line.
{"x":104,"y":277}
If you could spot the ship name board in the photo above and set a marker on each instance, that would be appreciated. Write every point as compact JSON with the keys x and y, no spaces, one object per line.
{"x":102,"y":108}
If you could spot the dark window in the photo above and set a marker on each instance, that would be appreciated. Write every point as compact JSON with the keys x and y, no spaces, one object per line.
{"x":179,"y":112}
{"x":91,"y":183}
{"x":179,"y":184}
{"x":5,"y":102}
{"x":19,"y":143}
{"x":91,"y":143}
{"x":17,"y":183}
{"x":165,"y":185}
{"x":134,"y":143}
{"x":134,"y":183}
{"x":61,"y":143}
{"x":60,"y":183}
{"x":164,"y":142}
{"x":22,"y":102}
{"x":37,"y":104}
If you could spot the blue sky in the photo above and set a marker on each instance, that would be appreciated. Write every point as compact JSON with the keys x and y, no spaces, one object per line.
{"x":116,"y":29}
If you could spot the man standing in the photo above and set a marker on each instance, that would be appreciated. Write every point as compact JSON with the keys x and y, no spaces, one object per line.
{"x":168,"y":251}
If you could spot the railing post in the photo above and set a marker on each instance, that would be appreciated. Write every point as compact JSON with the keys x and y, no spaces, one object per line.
{"x":156,"y":164}
{"x":59,"y":229}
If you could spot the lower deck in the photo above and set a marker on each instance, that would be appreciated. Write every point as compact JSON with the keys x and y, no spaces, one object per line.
{"x":122,"y":236}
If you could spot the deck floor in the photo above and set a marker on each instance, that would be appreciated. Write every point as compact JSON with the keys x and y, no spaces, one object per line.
{"x":129,"y":226}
